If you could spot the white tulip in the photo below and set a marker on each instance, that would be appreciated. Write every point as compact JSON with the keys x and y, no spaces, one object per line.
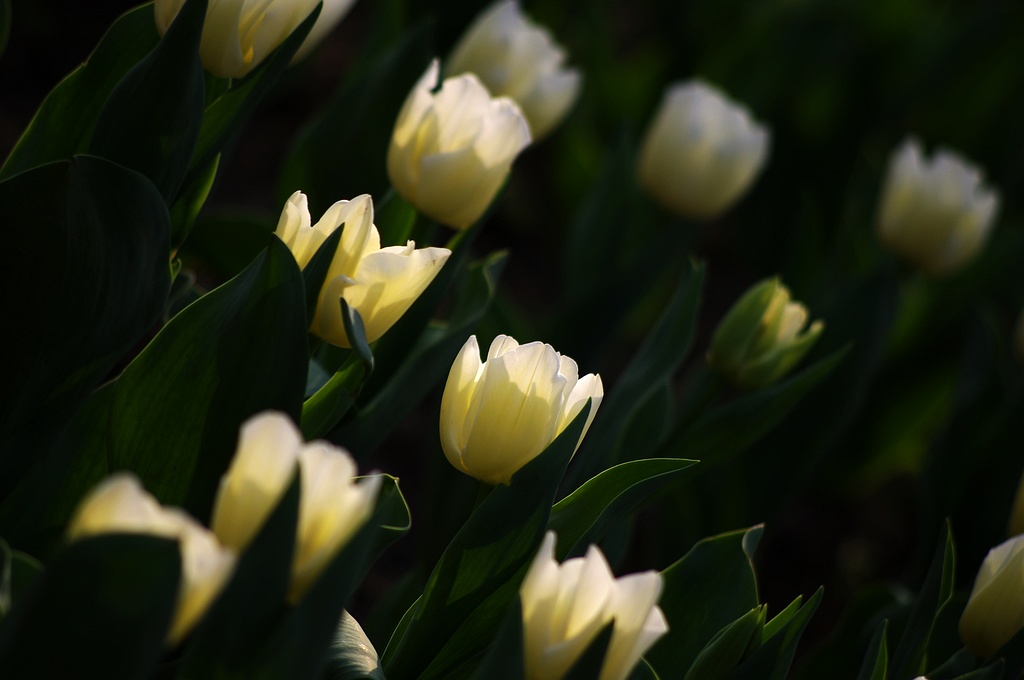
{"x":995,"y":608}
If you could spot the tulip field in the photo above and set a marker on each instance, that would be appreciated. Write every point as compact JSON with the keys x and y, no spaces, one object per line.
{"x":514,"y":340}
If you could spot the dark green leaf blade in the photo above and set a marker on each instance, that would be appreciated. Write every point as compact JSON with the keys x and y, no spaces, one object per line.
{"x":876,"y":659}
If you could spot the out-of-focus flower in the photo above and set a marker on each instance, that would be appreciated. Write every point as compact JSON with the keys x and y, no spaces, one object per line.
{"x":701,"y":151}
{"x":239,"y":34}
{"x":762,"y":337}
{"x":120,"y":505}
{"x":935,"y":214}
{"x":332,"y":505}
{"x":379,"y":283}
{"x":995,"y":609}
{"x":517,"y":58}
{"x":452,"y":149}
{"x":497,"y":415}
{"x":565,"y":607}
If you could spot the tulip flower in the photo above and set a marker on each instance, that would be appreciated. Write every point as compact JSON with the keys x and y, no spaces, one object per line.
{"x":762,"y":337}
{"x":332,"y":505}
{"x":566,"y":606}
{"x":995,"y":608}
{"x":239,"y":34}
{"x":452,"y":149}
{"x":516,"y":58}
{"x":379,"y":283}
{"x":701,"y":152}
{"x":935,"y":214}
{"x":120,"y":505}
{"x":498,"y":415}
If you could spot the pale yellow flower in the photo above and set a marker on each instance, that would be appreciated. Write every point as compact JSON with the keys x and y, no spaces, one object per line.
{"x":995,"y":608}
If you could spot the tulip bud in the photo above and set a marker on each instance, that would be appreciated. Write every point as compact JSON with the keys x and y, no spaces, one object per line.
{"x":499,"y":414}
{"x":452,"y":149}
{"x":995,"y":609}
{"x":516,"y":58}
{"x":760,"y":338}
{"x":239,"y":34}
{"x":331,"y":507}
{"x":935,"y":214}
{"x":566,"y":606}
{"x":379,"y":283}
{"x":121,"y":505}
{"x":701,"y":152}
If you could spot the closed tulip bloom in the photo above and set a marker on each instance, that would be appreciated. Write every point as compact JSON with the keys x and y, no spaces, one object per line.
{"x":995,"y":609}
{"x":121,"y":505}
{"x":239,"y":34}
{"x":333,"y":507}
{"x":762,"y":337}
{"x":566,"y":605}
{"x":498,"y":415}
{"x":516,"y":58}
{"x":701,"y":152}
{"x":937,"y":214}
{"x":379,"y":283}
{"x":452,"y":149}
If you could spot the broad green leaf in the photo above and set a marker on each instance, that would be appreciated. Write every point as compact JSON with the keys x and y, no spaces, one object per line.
{"x":237,"y":351}
{"x":63,"y":124}
{"x":225,"y":244}
{"x":356,"y":335}
{"x":706,"y":590}
{"x":343,"y":153}
{"x":662,"y":352}
{"x":582,"y":517}
{"x":426,"y":364}
{"x":908,"y":660}
{"x":223,"y":119}
{"x":352,"y":656}
{"x":314,"y":274}
{"x":876,"y":659}
{"x":504,"y":659}
{"x":331,"y":402}
{"x":190,"y":201}
{"x":771,"y":661}
{"x":726,"y":649}
{"x":734,"y":427}
{"x":487,"y":557}
{"x":89,"y":278}
{"x":150,"y":121}
{"x":101,"y":609}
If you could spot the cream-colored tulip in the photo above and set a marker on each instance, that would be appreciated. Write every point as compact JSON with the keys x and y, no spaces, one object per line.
{"x":333,"y":507}
{"x":701,"y":152}
{"x":517,"y":58}
{"x":498,"y":415}
{"x":239,"y":34}
{"x":762,"y":337}
{"x":935,"y":214}
{"x":380,"y":283}
{"x":120,"y":505}
{"x":565,"y":607}
{"x":452,"y":149}
{"x":995,"y":609}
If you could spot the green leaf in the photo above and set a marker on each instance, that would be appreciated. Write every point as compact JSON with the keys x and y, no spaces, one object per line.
{"x":504,"y":659}
{"x":101,"y":609}
{"x":479,"y":572}
{"x":356,"y":335}
{"x":352,"y":656}
{"x":17,"y":572}
{"x":237,"y":351}
{"x":89,"y":277}
{"x":709,"y":588}
{"x":190,"y":201}
{"x":734,"y":427}
{"x":590,"y":663}
{"x":223,"y":119}
{"x":427,"y":363}
{"x":771,"y":661}
{"x":331,"y":402}
{"x":63,"y":124}
{"x":314,"y":274}
{"x":876,"y":659}
{"x":583,"y":517}
{"x":662,"y":352}
{"x":150,"y":121}
{"x":234,"y":630}
{"x":357,"y":124}
{"x":726,"y":649}
{"x":908,"y":660}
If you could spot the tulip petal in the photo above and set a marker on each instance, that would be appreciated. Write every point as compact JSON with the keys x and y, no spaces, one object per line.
{"x":455,"y":402}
